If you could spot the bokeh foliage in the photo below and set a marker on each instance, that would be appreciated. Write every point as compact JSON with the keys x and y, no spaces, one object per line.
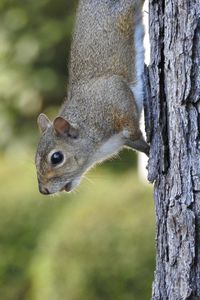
{"x":34,"y":47}
{"x":94,"y":244}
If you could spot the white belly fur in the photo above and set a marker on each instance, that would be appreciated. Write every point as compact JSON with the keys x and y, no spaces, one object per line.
{"x":109,"y":148}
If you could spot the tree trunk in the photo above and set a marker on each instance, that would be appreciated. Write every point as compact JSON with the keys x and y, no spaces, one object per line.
{"x":173,"y":129}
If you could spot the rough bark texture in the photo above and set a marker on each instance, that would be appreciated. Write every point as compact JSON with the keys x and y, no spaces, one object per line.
{"x":173,"y":128}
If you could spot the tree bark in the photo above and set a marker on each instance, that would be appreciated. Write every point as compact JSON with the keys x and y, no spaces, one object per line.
{"x":173,"y":129}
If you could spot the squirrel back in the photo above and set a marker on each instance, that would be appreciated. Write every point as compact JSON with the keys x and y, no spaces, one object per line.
{"x":105,"y":95}
{"x":108,"y":40}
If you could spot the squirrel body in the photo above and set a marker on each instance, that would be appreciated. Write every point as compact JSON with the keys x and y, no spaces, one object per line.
{"x":105,"y":95}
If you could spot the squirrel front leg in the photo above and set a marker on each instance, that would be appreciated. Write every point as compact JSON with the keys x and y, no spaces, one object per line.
{"x":133,"y":137}
{"x":139,"y":145}
{"x":126,"y":120}
{"x":136,"y":140}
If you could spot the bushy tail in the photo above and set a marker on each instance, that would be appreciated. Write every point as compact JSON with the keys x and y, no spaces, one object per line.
{"x":138,"y":86}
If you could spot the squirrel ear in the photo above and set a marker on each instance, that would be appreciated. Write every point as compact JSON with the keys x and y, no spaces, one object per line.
{"x":63,"y":127}
{"x":43,"y":122}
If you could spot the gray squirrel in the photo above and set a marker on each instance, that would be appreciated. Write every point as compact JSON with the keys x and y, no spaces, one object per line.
{"x":105,"y":95}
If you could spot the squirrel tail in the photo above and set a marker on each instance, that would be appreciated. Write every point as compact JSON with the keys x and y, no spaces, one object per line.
{"x":138,"y":86}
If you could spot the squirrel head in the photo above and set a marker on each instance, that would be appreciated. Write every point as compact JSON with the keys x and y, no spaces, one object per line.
{"x":60,"y":159}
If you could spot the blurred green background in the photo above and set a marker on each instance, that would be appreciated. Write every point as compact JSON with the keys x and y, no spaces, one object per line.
{"x":94,"y":244}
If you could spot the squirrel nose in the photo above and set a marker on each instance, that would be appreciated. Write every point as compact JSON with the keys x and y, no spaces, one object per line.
{"x":44,"y":191}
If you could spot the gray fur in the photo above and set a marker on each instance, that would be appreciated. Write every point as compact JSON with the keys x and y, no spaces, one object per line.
{"x":100,"y":104}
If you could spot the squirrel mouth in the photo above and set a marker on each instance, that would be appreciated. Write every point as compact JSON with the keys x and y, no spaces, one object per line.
{"x":68,"y":186}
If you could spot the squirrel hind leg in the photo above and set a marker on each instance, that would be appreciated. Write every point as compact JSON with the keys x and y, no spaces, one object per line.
{"x":139,"y":145}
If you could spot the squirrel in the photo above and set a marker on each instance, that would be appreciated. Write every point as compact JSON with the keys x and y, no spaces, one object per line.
{"x":105,"y":95}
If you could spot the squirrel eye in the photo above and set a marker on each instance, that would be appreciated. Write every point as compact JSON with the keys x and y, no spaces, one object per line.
{"x":57,"y":158}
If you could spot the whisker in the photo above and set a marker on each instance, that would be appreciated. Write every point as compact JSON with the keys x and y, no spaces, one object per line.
{"x":88,"y":179}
